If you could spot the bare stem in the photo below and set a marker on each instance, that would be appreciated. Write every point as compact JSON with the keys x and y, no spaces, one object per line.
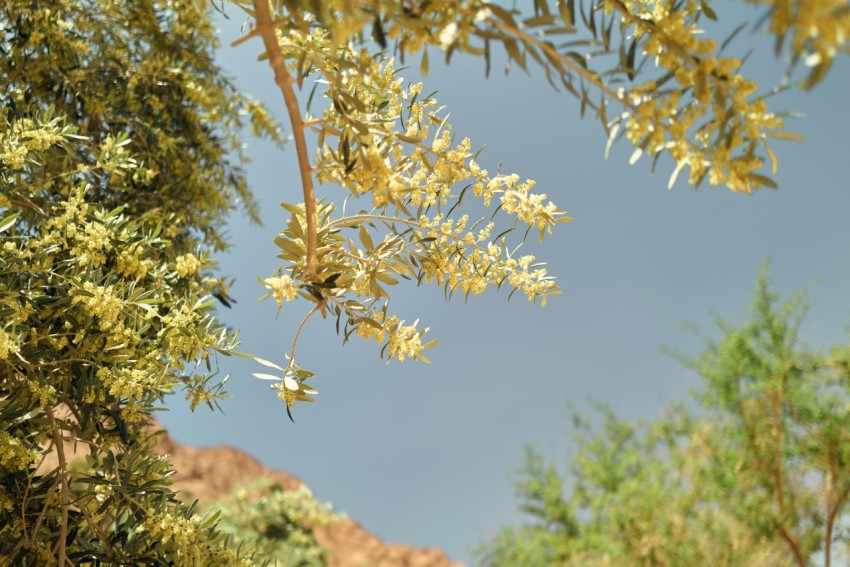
{"x":833,"y":508}
{"x":795,"y":547}
{"x":266,"y":29}
{"x":64,"y":489}
{"x":253,"y":33}
{"x":318,"y":307}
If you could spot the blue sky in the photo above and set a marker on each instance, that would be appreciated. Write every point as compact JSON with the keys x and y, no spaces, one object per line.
{"x":424,"y":454}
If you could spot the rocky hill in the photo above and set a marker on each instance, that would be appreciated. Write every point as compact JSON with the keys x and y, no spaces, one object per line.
{"x":209,"y":474}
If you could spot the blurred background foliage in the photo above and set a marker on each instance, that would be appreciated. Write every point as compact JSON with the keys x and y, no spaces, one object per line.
{"x":753,"y":470}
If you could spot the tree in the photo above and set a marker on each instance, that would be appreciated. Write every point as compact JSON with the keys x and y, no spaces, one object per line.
{"x":643,"y":68}
{"x":756,"y":474}
{"x":119,"y":159}
{"x":117,"y":163}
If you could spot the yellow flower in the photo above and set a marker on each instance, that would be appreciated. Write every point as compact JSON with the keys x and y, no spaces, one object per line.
{"x":187,"y":265}
{"x":282,"y":288}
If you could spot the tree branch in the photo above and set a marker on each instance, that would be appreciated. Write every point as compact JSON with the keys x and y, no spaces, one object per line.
{"x":833,"y":508}
{"x":778,"y":467}
{"x":266,"y":29}
{"x":795,"y":547}
{"x":318,"y":307}
{"x":64,"y":489}
{"x":254,"y":33}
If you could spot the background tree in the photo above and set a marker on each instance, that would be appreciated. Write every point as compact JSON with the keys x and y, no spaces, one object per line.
{"x":276,"y":524}
{"x":756,"y":474}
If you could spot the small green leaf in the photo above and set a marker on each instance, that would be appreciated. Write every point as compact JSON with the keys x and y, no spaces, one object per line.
{"x":762,"y":180}
{"x":546,"y":20}
{"x":774,"y":163}
{"x":790,"y":136}
{"x":366,"y":239}
{"x":387,"y":279}
{"x":8,"y":222}
{"x":567,"y":13}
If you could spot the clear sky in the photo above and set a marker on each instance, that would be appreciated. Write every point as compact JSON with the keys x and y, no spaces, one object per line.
{"x":425,"y":454}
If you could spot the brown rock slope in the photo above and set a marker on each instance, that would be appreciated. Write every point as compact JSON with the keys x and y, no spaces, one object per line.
{"x":209,"y":474}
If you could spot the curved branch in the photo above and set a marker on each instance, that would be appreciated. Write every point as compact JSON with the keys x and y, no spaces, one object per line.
{"x":318,"y":307}
{"x":266,"y":29}
{"x":792,"y":543}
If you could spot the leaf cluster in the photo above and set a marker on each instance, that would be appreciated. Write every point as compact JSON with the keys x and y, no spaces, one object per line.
{"x":642,"y":67}
{"x":275,"y":523}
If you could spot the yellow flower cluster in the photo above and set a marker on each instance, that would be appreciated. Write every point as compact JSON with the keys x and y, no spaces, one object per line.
{"x":24,"y":136}
{"x":44,"y":393}
{"x":90,"y":240}
{"x":114,"y":156}
{"x":285,"y":394}
{"x":291,"y":386}
{"x":455,"y":258}
{"x":126,"y":383}
{"x":405,"y":168}
{"x":180,"y":534}
{"x":819,"y":28}
{"x":516,"y":199}
{"x":7,"y":505}
{"x":100,"y":302}
{"x":664,"y":119}
{"x":391,"y":145}
{"x":64,"y":225}
{"x":94,"y":506}
{"x":187,"y":265}
{"x":405,"y":341}
{"x":131,"y":264}
{"x":112,"y":318}
{"x":381,"y":167}
{"x":175,"y":327}
{"x":92,"y":245}
{"x":282,"y":288}
{"x":8,"y":345}
{"x":14,"y":456}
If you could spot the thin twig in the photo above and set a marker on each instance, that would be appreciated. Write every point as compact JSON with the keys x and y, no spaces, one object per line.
{"x":833,"y":508}
{"x":266,"y":29}
{"x":795,"y":547}
{"x":318,"y":307}
{"x":255,"y":32}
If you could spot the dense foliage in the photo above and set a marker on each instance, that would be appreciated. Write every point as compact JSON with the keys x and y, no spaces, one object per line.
{"x":117,"y":139}
{"x":758,"y":473}
{"x":276,"y":524}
